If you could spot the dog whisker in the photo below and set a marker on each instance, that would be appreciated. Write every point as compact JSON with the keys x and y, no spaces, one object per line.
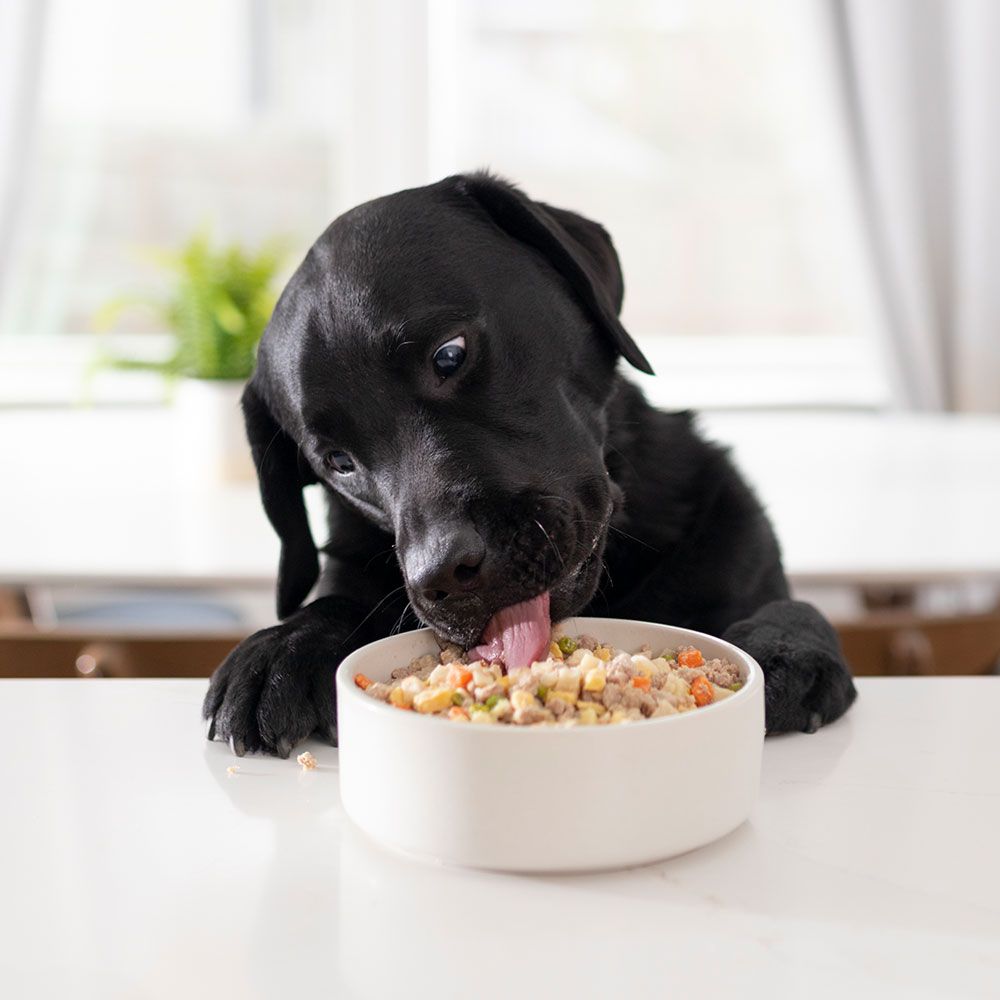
{"x":625,"y":534}
{"x":399,"y":621}
{"x":383,"y":552}
{"x":364,"y":621}
{"x":277,"y":434}
{"x":552,"y":544}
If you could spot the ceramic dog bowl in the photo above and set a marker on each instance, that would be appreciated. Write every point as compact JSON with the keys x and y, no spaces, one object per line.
{"x":547,"y":798}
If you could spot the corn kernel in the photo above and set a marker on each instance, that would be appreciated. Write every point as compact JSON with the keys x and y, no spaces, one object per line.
{"x":567,"y":696}
{"x":432,"y":700}
{"x":587,"y":717}
{"x":595,"y":679}
{"x":400,"y":697}
{"x":522,"y":699}
{"x":504,"y":682}
{"x":412,"y":686}
{"x":500,"y":709}
{"x":602,"y":653}
{"x":554,"y":651}
{"x":676,"y":685}
{"x":439,"y":674}
{"x":568,"y":679}
{"x":643,"y":665}
{"x":482,"y":678}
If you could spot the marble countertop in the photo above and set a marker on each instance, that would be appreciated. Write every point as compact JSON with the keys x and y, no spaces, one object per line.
{"x":133,"y":865}
{"x":851,"y":496}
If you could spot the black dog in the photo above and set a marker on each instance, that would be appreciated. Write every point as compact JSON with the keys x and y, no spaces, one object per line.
{"x":443,"y":363}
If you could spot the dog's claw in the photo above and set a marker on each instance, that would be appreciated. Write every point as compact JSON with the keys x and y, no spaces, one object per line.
{"x":210,"y":727}
{"x":815,"y":721}
{"x":237,"y":746}
{"x":283,"y":747}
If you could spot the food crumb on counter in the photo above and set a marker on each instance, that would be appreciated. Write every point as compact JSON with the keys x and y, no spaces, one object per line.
{"x":232,"y":769}
{"x":308,"y":761}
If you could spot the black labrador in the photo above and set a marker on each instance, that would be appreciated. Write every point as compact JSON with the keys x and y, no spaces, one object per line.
{"x":443,"y":363}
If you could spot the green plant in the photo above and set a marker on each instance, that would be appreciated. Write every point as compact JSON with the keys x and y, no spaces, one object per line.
{"x":217,"y":310}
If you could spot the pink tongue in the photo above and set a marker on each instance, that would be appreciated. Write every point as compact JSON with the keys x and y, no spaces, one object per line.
{"x":517,"y":635}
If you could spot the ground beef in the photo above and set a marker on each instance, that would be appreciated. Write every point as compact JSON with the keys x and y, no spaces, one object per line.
{"x":635,"y":686}
{"x":722,"y":672}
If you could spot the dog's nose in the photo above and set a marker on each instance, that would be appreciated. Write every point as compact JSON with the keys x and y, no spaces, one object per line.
{"x":446,"y":561}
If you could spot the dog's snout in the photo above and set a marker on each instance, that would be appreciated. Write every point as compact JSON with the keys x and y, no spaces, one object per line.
{"x":445,"y":562}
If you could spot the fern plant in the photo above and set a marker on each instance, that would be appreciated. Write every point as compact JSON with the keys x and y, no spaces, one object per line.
{"x":217,"y":310}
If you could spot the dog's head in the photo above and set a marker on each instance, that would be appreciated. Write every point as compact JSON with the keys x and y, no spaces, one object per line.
{"x":442,"y":360}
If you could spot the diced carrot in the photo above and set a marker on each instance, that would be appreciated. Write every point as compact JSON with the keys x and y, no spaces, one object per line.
{"x":701,"y":688}
{"x":456,"y":712}
{"x":641,"y":682}
{"x":402,"y":708}
{"x":459,"y":677}
{"x":362,"y":682}
{"x":690,"y":658}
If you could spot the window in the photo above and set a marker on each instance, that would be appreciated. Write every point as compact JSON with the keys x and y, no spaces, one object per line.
{"x":158,"y":118}
{"x":704,"y":134}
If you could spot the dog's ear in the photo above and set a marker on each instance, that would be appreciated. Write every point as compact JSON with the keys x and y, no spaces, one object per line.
{"x":580,"y":250}
{"x":282,"y":474}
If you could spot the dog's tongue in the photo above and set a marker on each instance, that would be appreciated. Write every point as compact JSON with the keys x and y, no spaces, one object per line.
{"x":517,"y":635}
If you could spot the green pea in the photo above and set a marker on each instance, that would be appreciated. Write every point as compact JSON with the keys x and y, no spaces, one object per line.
{"x":491,"y":702}
{"x":567,"y":645}
{"x":456,"y":698}
{"x":543,"y":692}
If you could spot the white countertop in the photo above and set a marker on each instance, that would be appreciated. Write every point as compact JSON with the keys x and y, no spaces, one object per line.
{"x":132,"y":865}
{"x":103,"y":497}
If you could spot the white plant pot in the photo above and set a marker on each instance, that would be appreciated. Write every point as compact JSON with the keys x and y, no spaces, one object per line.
{"x":211,"y":441}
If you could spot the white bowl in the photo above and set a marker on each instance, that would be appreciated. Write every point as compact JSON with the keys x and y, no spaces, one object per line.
{"x":545,"y":798}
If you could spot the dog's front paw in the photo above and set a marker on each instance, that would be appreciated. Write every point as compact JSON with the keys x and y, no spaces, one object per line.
{"x":807,"y":682}
{"x":273,"y":690}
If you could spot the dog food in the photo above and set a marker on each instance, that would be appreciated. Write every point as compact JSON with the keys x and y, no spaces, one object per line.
{"x":308,"y":761}
{"x":581,"y":682}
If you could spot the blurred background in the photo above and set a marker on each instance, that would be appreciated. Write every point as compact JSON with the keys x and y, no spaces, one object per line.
{"x":804,"y":195}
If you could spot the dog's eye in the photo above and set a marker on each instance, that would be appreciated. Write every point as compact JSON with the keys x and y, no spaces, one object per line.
{"x":448,"y":358}
{"x":340,"y":461}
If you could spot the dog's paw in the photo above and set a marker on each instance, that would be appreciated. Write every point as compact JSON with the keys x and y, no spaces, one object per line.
{"x":807,"y":682}
{"x":273,"y":690}
{"x":804,"y":688}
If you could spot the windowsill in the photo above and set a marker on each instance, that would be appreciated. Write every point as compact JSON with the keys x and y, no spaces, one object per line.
{"x":752,"y":372}
{"x":63,"y":371}
{"x":704,"y":373}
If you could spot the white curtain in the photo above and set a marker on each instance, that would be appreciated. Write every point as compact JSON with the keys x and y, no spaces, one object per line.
{"x":21,"y":29}
{"x":921,"y":80}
